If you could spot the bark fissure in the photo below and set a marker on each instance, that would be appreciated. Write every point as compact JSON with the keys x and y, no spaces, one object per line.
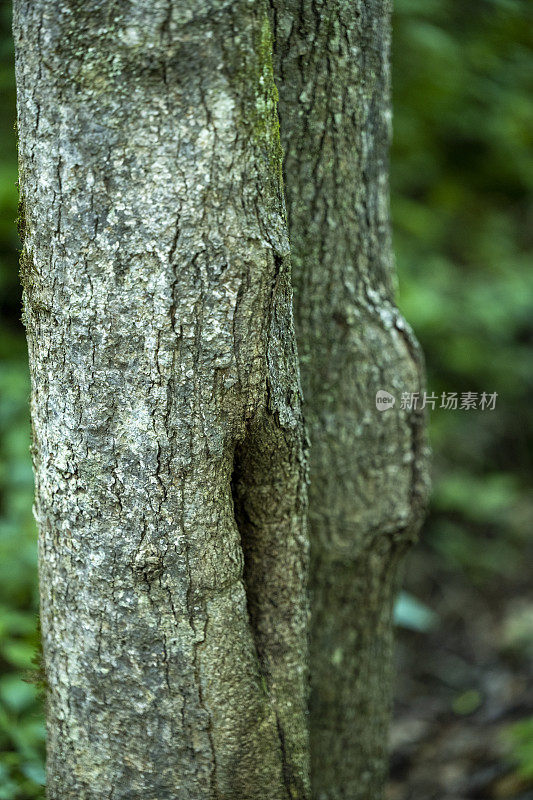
{"x":262,"y":463}
{"x":255,"y":632}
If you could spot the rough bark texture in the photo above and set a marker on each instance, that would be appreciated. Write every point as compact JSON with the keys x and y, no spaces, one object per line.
{"x":170,"y":479}
{"x":367,"y":468}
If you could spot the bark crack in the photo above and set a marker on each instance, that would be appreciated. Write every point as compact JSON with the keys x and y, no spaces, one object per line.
{"x":258,"y":461}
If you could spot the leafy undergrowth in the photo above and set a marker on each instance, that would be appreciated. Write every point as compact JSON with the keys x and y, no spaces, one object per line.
{"x":462,"y":175}
{"x":21,"y":723}
{"x":463,"y":724}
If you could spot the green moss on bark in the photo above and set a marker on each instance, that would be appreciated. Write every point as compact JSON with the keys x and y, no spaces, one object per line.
{"x":253,"y":78}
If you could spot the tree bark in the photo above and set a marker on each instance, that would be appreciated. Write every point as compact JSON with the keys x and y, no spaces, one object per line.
{"x":168,"y":447}
{"x":368,"y":481}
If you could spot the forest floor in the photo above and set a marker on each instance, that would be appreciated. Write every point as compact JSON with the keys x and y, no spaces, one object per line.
{"x":463,"y":722}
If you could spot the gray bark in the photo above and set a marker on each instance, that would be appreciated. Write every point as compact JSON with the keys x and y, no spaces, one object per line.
{"x":368,"y":481}
{"x":170,"y":477}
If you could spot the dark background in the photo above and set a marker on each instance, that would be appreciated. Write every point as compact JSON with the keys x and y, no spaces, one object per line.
{"x":461,"y":173}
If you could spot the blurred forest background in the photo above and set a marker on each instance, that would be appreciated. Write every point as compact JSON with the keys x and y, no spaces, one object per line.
{"x":461,"y":172}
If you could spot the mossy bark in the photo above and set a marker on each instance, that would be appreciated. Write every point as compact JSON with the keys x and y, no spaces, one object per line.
{"x":168,"y":444}
{"x":368,"y":468}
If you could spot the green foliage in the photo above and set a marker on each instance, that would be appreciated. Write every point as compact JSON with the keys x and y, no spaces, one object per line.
{"x":520,"y":738}
{"x":461,"y":175}
{"x":467,"y":702}
{"x":21,"y":723}
{"x":461,"y":179}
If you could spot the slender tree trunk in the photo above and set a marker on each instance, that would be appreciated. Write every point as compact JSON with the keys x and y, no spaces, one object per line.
{"x":166,"y":412}
{"x":367,"y":467}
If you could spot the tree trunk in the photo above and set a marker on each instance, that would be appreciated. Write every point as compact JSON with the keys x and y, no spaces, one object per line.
{"x":367,"y":467}
{"x":170,"y":478}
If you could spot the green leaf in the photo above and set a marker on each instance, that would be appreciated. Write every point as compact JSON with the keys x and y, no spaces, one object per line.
{"x":15,"y":693}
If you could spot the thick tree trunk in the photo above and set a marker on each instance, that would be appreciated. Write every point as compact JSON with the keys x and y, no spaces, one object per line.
{"x":367,"y":467}
{"x":165,"y":402}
